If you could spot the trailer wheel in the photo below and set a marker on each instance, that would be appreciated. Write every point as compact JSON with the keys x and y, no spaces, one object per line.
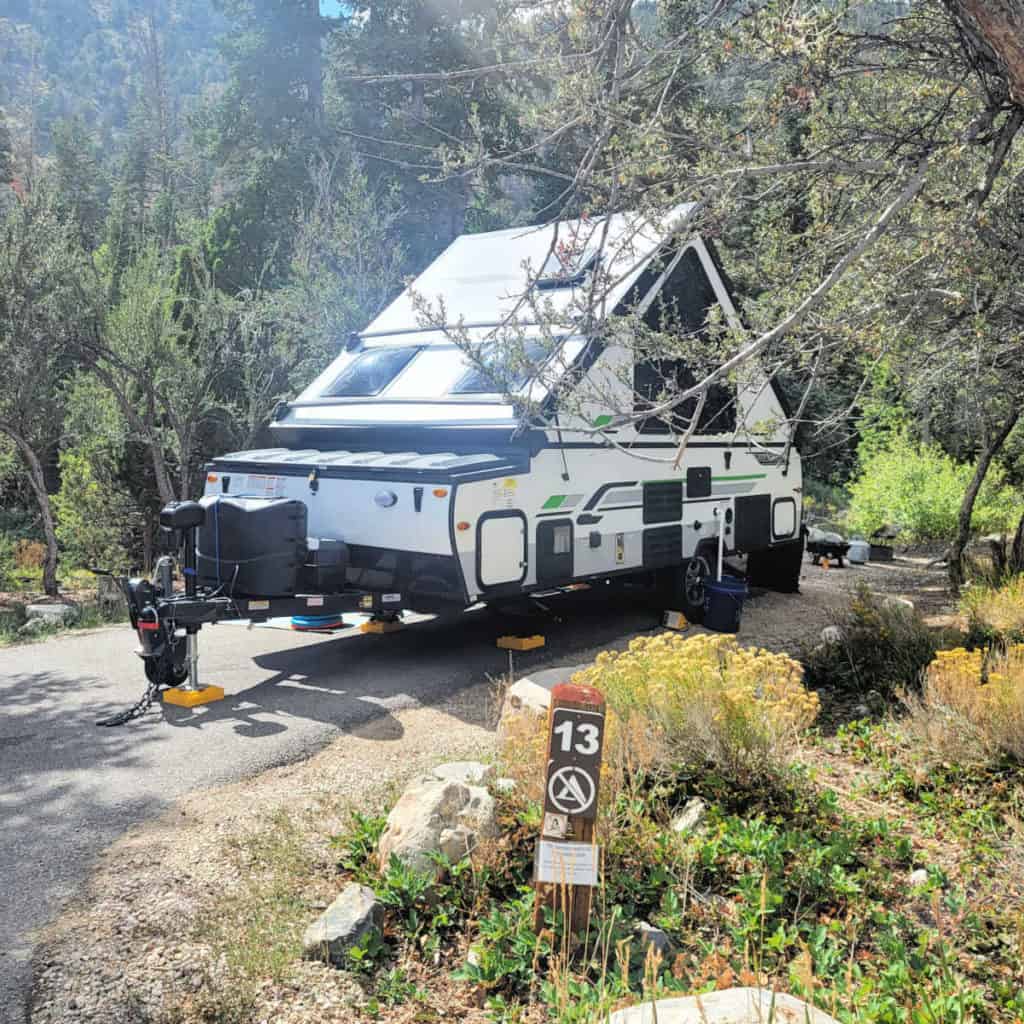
{"x":778,"y":568}
{"x":686,"y":592}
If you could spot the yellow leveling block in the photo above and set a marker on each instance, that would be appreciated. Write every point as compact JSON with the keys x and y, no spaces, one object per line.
{"x":193,"y":698}
{"x":380,"y":627}
{"x":521,"y":643}
{"x":675,"y":620}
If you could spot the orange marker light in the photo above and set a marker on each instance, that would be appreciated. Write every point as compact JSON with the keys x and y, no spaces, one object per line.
{"x":212,"y":478}
{"x":462,"y":526}
{"x":441,"y":492}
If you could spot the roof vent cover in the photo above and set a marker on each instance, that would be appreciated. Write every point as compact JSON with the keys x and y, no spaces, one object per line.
{"x":567,"y":265}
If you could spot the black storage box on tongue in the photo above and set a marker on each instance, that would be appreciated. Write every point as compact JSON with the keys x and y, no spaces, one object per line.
{"x":252,"y":546}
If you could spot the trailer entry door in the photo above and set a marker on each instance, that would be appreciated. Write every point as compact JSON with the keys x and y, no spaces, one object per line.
{"x":501,"y":548}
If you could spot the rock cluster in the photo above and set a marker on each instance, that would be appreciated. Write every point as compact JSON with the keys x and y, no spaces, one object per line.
{"x":447,"y":812}
{"x":43,"y":617}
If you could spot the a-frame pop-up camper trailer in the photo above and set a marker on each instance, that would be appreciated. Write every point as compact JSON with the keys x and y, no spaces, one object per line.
{"x":403,"y":477}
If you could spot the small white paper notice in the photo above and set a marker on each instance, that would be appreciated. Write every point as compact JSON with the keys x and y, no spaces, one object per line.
{"x":555,"y":825}
{"x":566,"y":863}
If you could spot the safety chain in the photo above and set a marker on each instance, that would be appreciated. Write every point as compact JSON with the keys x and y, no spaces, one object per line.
{"x":137,"y":710}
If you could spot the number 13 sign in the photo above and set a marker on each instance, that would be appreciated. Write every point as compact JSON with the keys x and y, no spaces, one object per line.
{"x":574,"y":762}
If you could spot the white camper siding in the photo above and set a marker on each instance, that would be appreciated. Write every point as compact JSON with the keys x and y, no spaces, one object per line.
{"x":347,"y":510}
{"x":543,"y":495}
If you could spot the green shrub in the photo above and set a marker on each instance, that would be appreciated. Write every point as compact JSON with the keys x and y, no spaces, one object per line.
{"x":883,"y":645}
{"x":919,"y":489}
{"x":824,"y":500}
{"x":94,"y":517}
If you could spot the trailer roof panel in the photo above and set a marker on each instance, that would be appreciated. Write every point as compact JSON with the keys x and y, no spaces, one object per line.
{"x":481,"y":279}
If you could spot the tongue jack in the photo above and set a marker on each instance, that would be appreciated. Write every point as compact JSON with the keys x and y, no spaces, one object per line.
{"x":190,"y":694}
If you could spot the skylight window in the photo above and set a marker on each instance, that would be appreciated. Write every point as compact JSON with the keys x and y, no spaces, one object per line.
{"x":513,"y":366}
{"x":370,"y":372}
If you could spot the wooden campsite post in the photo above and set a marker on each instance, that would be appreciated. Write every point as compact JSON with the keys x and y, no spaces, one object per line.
{"x":565,"y":866}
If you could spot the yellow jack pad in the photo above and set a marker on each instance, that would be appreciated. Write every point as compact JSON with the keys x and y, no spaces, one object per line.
{"x":380,"y":627}
{"x":521,"y":643}
{"x":675,"y":620}
{"x":193,"y":698}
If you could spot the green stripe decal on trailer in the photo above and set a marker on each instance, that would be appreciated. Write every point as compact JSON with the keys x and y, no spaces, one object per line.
{"x":554,"y":501}
{"x":745,"y":476}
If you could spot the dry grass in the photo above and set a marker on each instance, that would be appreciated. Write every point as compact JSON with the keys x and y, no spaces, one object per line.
{"x":971,"y":708}
{"x":995,"y":612}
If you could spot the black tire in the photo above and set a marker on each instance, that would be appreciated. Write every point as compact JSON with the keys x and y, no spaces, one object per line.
{"x":683,"y":586}
{"x":778,"y":568}
{"x":164,"y":672}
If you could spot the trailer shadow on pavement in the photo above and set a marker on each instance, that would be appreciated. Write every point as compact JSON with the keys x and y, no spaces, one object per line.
{"x":355,"y":677}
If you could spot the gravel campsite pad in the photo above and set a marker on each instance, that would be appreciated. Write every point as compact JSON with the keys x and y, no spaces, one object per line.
{"x":142,"y":941}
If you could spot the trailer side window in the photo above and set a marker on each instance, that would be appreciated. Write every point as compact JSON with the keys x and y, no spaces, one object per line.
{"x":370,"y":372}
{"x":513,"y":365}
{"x":681,"y":309}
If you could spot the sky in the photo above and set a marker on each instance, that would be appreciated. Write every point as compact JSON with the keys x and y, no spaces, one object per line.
{"x":334,"y":9}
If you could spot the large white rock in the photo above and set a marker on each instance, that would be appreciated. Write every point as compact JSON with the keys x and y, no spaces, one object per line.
{"x":530,"y":697}
{"x":690,"y":817}
{"x":60,"y":614}
{"x":832,"y":635}
{"x":437,"y":816}
{"x":354,"y":913}
{"x":730,"y":1006}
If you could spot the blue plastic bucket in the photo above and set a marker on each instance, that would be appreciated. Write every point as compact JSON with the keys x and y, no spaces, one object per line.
{"x":723,"y":604}
{"x":314,"y":623}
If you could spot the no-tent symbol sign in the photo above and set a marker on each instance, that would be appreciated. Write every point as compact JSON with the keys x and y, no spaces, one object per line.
{"x":574,"y":762}
{"x":571,"y":790}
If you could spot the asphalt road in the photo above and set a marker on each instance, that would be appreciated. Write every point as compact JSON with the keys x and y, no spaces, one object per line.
{"x":68,"y":789}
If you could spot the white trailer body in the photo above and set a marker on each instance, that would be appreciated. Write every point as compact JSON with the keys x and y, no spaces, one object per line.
{"x":443,"y":496}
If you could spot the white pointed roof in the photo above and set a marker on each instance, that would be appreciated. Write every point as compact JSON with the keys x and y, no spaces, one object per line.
{"x":482,"y":278}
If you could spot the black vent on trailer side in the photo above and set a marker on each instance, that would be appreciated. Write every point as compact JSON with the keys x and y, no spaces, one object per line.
{"x":663,"y":546}
{"x":554,"y":550}
{"x":753,"y":522}
{"x":698,"y":482}
{"x":663,"y":501}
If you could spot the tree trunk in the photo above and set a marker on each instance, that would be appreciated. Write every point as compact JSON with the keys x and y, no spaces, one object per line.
{"x":37,"y":481}
{"x":1017,"y":549}
{"x":995,"y":29}
{"x":963,"y":526}
{"x":143,"y":427}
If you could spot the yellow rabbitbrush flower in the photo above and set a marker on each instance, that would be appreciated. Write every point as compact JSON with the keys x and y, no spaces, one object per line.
{"x":971,"y":706}
{"x":699,"y":699}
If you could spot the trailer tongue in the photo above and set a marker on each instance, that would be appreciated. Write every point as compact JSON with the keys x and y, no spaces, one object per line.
{"x":168,"y":620}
